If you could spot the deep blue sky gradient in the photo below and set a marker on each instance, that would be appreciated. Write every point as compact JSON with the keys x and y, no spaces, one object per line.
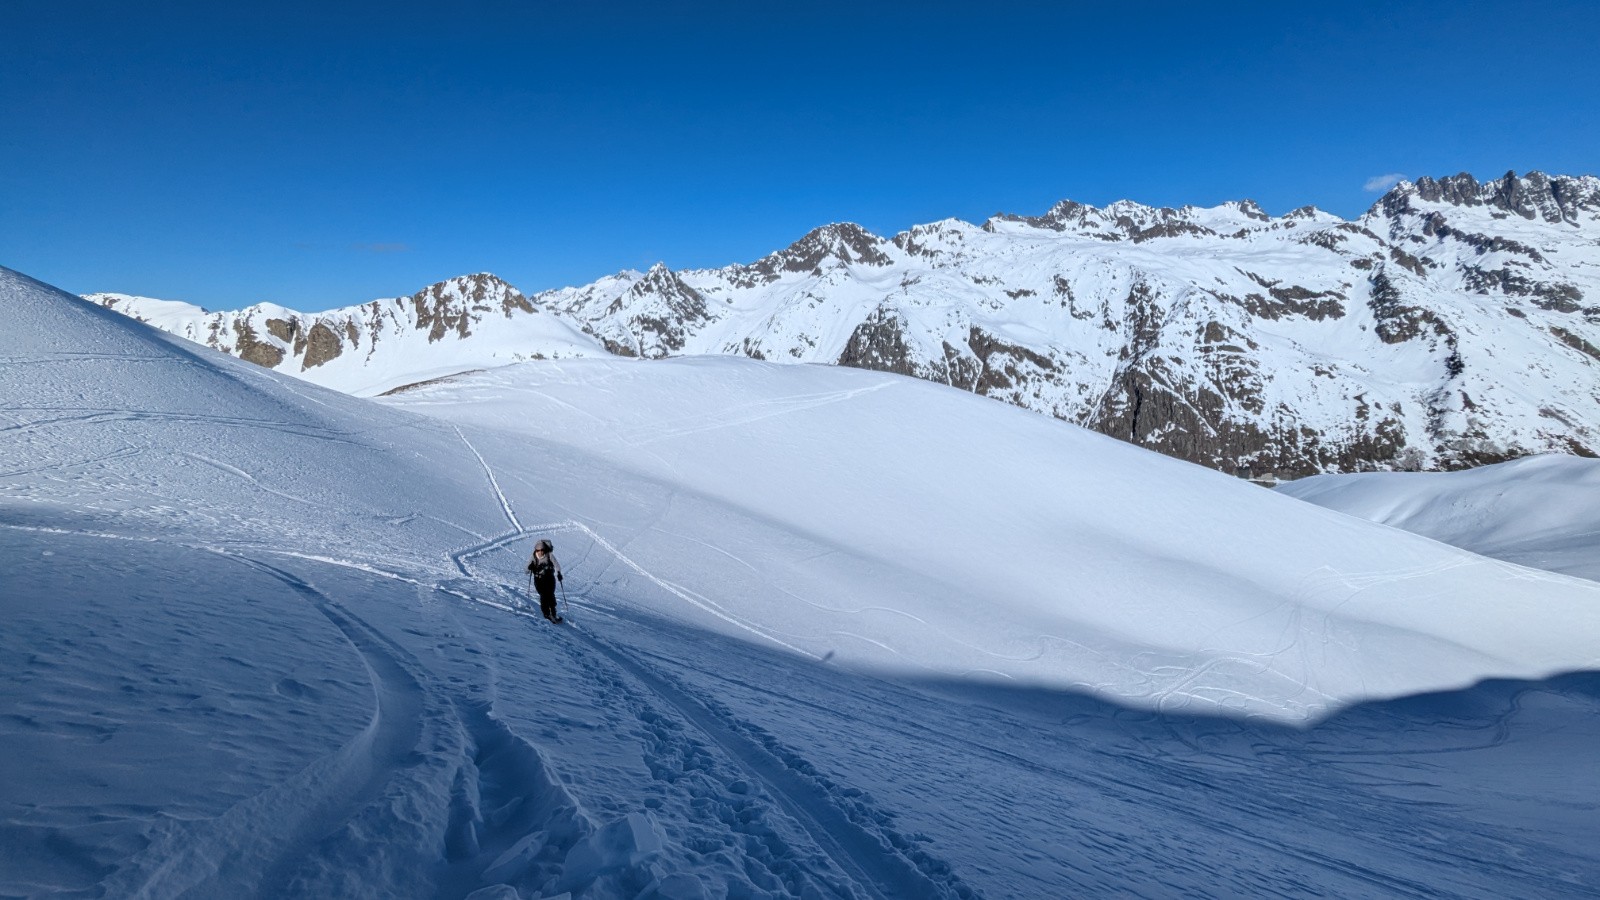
{"x":316,"y":158}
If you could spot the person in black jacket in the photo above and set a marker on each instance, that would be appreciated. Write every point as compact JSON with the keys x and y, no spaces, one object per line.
{"x":546,"y":572}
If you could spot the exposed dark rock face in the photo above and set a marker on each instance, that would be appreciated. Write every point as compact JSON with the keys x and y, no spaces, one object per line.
{"x":453,"y":306}
{"x":322,"y":344}
{"x":1398,"y":321}
{"x":259,"y":352}
{"x":283,"y":329}
{"x":1562,"y":298}
{"x":1456,"y":190}
{"x":1293,"y":300}
{"x":1143,"y":406}
{"x":840,"y":244}
{"x":879,"y":343}
{"x":1576,"y":342}
{"x":1154,"y":406}
{"x":1435,"y":225}
{"x":659,"y":311}
{"x":1533,"y":196}
{"x":1005,"y":366}
{"x":616,"y":348}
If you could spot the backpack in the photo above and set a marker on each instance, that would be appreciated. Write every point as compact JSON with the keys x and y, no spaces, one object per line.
{"x":549,"y":550}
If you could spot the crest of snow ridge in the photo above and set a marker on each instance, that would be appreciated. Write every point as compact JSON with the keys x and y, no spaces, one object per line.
{"x":270,"y":335}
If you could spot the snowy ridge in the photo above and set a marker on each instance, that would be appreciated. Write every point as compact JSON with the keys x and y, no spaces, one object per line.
{"x":1541,"y":511}
{"x":1455,"y":324}
{"x":455,"y":325}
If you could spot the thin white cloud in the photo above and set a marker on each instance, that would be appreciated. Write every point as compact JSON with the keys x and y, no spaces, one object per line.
{"x":1379,"y":183}
{"x":382,"y":247}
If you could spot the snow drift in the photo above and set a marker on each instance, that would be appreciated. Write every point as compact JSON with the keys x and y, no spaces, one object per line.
{"x":903,"y":525}
{"x":1541,"y":511}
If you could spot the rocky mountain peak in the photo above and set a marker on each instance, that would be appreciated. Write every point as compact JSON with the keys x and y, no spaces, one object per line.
{"x":455,"y":304}
{"x":1069,"y":212}
{"x":1534,"y":196}
{"x":657,"y":278}
{"x":1131,"y":220}
{"x":654,"y":316}
{"x":1249,"y":209}
{"x":661,"y":285}
{"x":842,"y":242}
{"x":1066,"y":215}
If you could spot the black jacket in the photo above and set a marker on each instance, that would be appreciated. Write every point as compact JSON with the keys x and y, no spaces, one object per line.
{"x":545,"y":571}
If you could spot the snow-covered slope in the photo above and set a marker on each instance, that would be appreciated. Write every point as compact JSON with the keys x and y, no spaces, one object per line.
{"x":459,"y":324}
{"x":833,"y":633}
{"x":1542,"y":511}
{"x":1454,"y":324}
{"x":955,"y":536}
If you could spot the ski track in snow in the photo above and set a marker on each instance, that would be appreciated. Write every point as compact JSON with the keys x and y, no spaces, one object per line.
{"x":858,"y":838}
{"x":121,"y":453}
{"x":863,"y":851}
{"x":459,"y":558}
{"x":784,"y":406}
{"x":871,"y":860}
{"x":246,"y":476}
{"x":868,"y":857}
{"x":100,"y":417}
{"x":210,"y":857}
{"x":505,"y":505}
{"x":513,"y":823}
{"x":255,"y":845}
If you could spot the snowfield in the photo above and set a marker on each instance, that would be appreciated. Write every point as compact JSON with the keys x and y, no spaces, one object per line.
{"x":1540,"y":511}
{"x":832,"y":633}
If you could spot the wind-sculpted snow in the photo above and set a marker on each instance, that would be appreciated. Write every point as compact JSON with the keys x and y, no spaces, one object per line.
{"x":830,"y":633}
{"x":932,"y":532}
{"x":1541,"y":511}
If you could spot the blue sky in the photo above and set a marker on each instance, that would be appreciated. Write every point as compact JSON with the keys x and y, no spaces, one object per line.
{"x":319,"y":158}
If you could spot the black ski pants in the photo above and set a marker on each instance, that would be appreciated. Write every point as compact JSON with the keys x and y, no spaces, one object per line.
{"x":547,"y":597}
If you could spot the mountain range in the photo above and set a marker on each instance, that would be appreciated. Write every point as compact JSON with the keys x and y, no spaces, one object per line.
{"x":1455,"y":323}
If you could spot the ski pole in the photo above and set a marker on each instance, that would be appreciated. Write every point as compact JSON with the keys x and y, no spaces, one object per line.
{"x":530,"y":584}
{"x":561,"y":583}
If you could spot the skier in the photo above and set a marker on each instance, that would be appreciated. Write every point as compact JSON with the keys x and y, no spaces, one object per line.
{"x":546,"y":572}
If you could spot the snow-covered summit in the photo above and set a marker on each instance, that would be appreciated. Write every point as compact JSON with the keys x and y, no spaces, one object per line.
{"x":452,"y":326}
{"x":1136,"y":222}
{"x":159,"y":313}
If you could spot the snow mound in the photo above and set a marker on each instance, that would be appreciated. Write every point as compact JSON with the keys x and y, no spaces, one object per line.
{"x":902,"y":526}
{"x":1540,"y":511}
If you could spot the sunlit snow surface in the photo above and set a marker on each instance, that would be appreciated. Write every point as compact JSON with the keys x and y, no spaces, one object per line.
{"x":831,"y":633}
{"x":1541,"y":511}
